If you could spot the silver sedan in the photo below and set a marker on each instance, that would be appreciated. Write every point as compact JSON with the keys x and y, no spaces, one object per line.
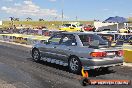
{"x":77,"y":50}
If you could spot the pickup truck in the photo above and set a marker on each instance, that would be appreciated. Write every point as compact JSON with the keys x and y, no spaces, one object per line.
{"x":70,"y":27}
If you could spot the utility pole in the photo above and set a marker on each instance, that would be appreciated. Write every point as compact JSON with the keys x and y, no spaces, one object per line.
{"x":62,"y":16}
{"x":62,"y":12}
{"x":76,"y":18}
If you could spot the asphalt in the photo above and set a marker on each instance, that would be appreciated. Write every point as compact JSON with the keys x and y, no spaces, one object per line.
{"x":18,"y":70}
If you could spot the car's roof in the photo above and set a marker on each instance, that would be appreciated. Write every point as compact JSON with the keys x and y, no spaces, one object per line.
{"x":83,"y":33}
{"x":79,"y":33}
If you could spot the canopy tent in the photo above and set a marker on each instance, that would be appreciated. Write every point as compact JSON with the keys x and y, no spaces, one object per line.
{"x":117,"y":20}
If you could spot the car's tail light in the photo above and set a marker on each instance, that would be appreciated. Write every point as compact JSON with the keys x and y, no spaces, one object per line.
{"x":120,"y":53}
{"x":98,"y":54}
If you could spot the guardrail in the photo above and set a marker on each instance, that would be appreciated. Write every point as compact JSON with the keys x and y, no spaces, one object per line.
{"x":23,"y":39}
{"x":125,"y":37}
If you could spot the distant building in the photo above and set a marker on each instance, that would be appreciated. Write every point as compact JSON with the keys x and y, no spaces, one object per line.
{"x":100,"y":26}
{"x":130,"y":19}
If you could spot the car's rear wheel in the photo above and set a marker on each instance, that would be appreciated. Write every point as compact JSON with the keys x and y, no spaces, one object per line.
{"x":36,"y":55}
{"x":74,"y":65}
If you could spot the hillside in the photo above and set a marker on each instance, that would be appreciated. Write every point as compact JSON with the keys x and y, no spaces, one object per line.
{"x":48,"y":24}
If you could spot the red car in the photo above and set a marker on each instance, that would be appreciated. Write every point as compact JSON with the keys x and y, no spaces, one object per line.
{"x":89,"y":28}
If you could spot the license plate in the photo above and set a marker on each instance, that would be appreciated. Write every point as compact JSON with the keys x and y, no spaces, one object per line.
{"x":111,"y":53}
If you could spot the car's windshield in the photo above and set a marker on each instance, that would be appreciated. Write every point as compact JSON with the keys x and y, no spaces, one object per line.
{"x":86,"y":25}
{"x":88,"y":38}
{"x":80,"y":24}
{"x":66,"y":25}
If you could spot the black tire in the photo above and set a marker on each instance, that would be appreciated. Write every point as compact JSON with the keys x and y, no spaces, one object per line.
{"x":105,"y":69}
{"x":85,"y":82}
{"x":36,"y":55}
{"x":74,"y":65}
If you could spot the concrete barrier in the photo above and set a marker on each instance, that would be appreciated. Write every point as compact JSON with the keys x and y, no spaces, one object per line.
{"x":127,"y":53}
{"x":22,"y":38}
{"x":128,"y":56}
{"x":29,"y":39}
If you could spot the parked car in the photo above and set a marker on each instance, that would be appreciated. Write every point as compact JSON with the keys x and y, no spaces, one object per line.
{"x":123,"y":30}
{"x":77,"y":50}
{"x":88,"y":28}
{"x":130,"y":29}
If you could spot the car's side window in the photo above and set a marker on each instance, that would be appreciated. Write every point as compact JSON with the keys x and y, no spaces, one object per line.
{"x":68,"y":40}
{"x":73,"y":26}
{"x":55,"y":39}
{"x":88,"y":39}
{"x":85,"y":39}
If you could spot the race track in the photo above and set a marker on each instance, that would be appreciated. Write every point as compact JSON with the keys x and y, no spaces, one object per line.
{"x":18,"y":70}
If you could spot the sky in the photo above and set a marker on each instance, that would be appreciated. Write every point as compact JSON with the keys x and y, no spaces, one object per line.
{"x":72,"y":9}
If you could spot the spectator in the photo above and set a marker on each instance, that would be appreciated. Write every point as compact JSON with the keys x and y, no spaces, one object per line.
{"x":109,"y":41}
{"x":40,"y":31}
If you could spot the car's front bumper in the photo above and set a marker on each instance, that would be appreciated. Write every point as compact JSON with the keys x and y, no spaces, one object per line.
{"x":99,"y":63}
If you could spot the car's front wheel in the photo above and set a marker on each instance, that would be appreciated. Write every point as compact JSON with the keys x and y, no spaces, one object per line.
{"x":36,"y":55}
{"x":74,"y":65}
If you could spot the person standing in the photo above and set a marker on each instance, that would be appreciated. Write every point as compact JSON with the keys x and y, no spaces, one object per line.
{"x":40,"y":31}
{"x":109,"y":41}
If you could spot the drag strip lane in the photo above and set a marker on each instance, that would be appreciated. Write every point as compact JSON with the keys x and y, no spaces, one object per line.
{"x":45,"y":75}
{"x":18,"y":68}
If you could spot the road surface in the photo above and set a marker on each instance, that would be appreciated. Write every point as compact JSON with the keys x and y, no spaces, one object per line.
{"x":18,"y":70}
